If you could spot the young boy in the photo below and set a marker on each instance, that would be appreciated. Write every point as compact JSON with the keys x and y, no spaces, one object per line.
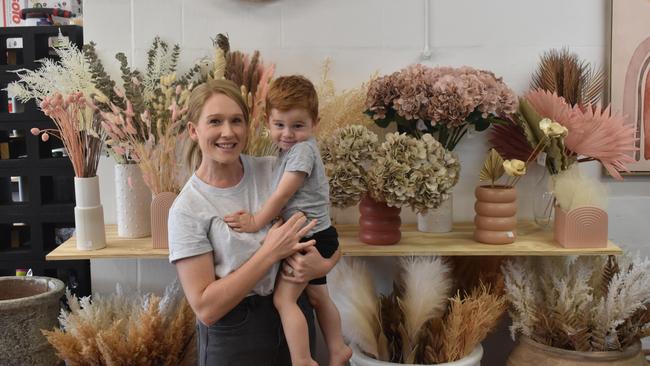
{"x":300,"y":184}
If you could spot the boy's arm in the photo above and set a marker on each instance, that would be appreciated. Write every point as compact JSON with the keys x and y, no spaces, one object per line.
{"x":288,"y":186}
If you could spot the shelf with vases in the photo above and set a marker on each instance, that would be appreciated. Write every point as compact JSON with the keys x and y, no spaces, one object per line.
{"x":531,"y":241}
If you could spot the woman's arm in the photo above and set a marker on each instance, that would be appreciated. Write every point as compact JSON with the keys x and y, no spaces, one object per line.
{"x":211,"y":297}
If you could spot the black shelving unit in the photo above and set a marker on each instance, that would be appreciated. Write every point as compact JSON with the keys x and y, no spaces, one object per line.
{"x":36,"y":181}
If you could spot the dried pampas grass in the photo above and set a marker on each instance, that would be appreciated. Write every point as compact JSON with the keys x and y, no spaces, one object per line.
{"x":126,"y":330}
{"x":417,"y":322}
{"x":572,"y":189}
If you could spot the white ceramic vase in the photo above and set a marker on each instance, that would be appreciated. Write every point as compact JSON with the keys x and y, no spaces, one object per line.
{"x":360,"y":359}
{"x":133,"y":202}
{"x":439,"y":220}
{"x":88,"y":214}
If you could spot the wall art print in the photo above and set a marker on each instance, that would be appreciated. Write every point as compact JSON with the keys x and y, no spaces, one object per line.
{"x":630,"y":71}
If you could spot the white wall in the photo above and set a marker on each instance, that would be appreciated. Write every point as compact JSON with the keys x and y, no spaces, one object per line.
{"x":361,"y":37}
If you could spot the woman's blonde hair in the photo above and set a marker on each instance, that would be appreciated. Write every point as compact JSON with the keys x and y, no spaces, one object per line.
{"x":199,"y":96}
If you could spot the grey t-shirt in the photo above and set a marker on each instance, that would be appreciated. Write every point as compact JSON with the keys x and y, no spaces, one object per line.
{"x":196,"y":223}
{"x":313,"y":197}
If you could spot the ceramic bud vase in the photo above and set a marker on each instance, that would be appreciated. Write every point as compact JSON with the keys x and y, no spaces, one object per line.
{"x":133,"y":202}
{"x":379,"y":224}
{"x":496,"y":215}
{"x":437,"y":220}
{"x":88,"y":214}
{"x":582,"y":227}
{"x":160,"y":206}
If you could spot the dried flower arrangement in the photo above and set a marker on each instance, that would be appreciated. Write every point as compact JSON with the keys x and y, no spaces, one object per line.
{"x":443,"y":101}
{"x":584,"y":304}
{"x":144,"y":118}
{"x":125,"y":330}
{"x":64,"y":90}
{"x":337,"y":109}
{"x":400,"y":171}
{"x":417,"y":322}
{"x":254,"y":77}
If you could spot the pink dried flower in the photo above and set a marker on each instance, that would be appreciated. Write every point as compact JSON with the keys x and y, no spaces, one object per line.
{"x":35,"y":131}
{"x":45,"y":136}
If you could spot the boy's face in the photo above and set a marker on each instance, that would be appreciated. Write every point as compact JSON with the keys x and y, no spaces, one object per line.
{"x":290,"y":127}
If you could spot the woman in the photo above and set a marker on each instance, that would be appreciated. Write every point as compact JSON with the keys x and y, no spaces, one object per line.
{"x":228,"y":277}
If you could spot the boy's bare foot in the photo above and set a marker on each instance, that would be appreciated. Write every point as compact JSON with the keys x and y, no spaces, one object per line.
{"x":340,"y":356}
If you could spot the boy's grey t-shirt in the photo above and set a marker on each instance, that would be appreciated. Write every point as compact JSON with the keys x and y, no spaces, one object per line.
{"x":313,"y":197}
{"x":196,"y":223}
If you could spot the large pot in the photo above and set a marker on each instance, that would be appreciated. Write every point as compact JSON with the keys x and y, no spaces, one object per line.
{"x":360,"y":359}
{"x":379,"y":224}
{"x":27,"y":305}
{"x":528,"y":352}
{"x":496,"y":215}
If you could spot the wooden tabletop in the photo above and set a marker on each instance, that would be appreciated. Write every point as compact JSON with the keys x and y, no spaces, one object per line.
{"x":531,"y":241}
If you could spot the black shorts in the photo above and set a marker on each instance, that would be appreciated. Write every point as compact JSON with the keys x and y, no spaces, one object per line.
{"x":327,"y":242}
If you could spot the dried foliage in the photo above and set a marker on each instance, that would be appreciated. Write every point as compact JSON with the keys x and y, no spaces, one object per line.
{"x":417,"y":322}
{"x":492,"y":167}
{"x":126,"y":330}
{"x":563,"y":73}
{"x":583,"y":304}
{"x":339,"y":109}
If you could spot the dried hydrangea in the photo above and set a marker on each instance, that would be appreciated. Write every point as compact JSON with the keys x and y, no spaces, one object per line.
{"x":446,"y":98}
{"x":347,"y":154}
{"x":408,"y":171}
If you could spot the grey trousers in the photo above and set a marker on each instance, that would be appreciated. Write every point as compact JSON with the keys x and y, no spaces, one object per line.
{"x":250,"y":335}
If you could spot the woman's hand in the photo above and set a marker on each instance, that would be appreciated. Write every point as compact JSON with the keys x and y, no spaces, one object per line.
{"x":307,"y":265}
{"x":282,"y":240}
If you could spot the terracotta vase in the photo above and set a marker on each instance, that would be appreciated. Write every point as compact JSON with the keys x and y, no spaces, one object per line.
{"x":160,"y":206}
{"x":528,"y":352}
{"x":582,"y":227}
{"x":496,"y":215}
{"x":378,"y":223}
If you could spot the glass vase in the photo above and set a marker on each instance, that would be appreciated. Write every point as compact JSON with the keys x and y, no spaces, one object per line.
{"x":543,"y":200}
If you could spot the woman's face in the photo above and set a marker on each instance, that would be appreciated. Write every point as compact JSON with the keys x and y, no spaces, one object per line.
{"x":221,"y":130}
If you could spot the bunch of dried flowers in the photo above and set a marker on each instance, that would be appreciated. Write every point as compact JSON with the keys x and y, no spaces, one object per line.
{"x":125,"y":330}
{"x":153,"y":137}
{"x":400,"y":171}
{"x":444,"y":101}
{"x":347,"y":154}
{"x":584,"y":304}
{"x":77,"y":128}
{"x":64,"y":90}
{"x":337,"y":109}
{"x":415,"y":172}
{"x":593,"y":133}
{"x":417,"y":322}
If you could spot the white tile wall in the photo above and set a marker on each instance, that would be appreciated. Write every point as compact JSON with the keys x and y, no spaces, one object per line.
{"x":361,"y":37}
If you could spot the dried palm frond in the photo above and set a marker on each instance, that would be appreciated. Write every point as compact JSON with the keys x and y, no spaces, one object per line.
{"x":492,"y":167}
{"x":563,"y":72}
{"x":510,"y":141}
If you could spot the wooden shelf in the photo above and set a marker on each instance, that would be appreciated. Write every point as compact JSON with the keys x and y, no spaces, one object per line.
{"x":531,"y":241}
{"x":116,"y":248}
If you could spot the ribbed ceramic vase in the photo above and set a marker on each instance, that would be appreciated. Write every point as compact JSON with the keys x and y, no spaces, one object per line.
{"x":438,"y":220}
{"x":88,"y":214}
{"x":360,"y":359}
{"x":132,"y":202}
{"x":160,"y":206}
{"x":379,"y":224}
{"x":528,"y":352}
{"x":496,"y":215}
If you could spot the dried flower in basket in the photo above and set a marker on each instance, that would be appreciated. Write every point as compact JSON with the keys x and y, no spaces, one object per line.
{"x":586,"y":304}
{"x":443,"y":101}
{"x":77,"y":128}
